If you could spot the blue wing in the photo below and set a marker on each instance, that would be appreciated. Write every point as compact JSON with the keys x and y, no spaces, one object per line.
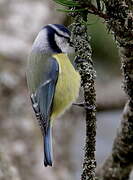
{"x":42,"y":98}
{"x":42,"y":75}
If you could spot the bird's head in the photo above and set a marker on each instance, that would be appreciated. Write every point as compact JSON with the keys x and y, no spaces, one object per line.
{"x":53,"y":38}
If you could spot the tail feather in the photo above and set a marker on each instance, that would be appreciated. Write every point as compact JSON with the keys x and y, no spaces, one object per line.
{"x":48,"y":152}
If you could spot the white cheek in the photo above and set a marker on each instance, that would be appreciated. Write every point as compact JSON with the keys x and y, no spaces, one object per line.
{"x":67,"y":48}
{"x":63,"y":44}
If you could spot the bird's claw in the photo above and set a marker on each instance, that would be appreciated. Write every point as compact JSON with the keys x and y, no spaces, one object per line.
{"x":85,"y":105}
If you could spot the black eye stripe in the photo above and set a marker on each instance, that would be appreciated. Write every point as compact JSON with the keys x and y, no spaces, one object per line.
{"x":57,"y":33}
{"x":68,"y":38}
{"x":51,"y":38}
{"x":61,"y":28}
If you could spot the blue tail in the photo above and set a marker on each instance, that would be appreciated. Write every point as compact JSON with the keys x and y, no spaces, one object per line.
{"x":48,"y":152}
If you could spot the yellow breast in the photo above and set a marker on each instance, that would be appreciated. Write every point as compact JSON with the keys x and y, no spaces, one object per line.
{"x":67,"y":87}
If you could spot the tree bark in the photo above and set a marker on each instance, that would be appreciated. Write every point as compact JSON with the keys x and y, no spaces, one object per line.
{"x":85,"y":67}
{"x":119,"y":19}
{"x":119,"y":164}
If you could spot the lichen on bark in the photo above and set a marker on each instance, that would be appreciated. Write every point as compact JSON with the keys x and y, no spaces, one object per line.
{"x":119,"y":164}
{"x":84,"y":64}
{"x":118,"y":15}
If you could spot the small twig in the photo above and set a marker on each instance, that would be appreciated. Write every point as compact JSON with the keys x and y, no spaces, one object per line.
{"x":93,"y":10}
{"x":84,"y":105}
{"x":90,"y":8}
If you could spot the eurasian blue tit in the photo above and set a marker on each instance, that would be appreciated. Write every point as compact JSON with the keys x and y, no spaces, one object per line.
{"x":52,"y":80}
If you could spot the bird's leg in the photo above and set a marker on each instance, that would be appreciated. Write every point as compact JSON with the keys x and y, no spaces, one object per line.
{"x":85,"y":105}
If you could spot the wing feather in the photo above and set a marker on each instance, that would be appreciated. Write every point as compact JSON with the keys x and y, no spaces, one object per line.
{"x":42,"y":98}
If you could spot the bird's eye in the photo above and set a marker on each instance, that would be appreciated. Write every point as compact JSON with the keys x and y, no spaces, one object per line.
{"x":68,"y":40}
{"x":70,"y":43}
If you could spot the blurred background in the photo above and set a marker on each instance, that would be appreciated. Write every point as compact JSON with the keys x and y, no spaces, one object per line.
{"x":21,"y":146}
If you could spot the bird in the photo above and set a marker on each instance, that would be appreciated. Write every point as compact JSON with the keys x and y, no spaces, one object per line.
{"x":52,"y":80}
